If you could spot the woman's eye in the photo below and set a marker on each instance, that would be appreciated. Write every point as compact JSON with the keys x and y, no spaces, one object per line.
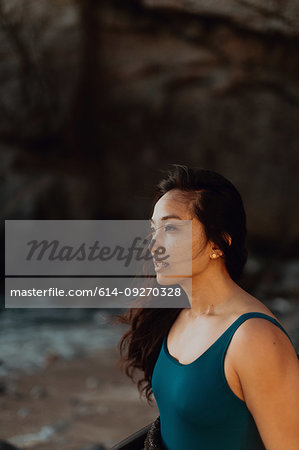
{"x":166,"y":228}
{"x":170,"y":228}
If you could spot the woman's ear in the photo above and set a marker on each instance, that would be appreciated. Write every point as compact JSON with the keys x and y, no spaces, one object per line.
{"x":215,"y":251}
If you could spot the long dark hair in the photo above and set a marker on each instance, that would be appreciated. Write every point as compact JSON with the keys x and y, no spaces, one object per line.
{"x":218,"y":205}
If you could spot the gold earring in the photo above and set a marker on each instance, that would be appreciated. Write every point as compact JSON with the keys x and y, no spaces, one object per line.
{"x":214,"y":256}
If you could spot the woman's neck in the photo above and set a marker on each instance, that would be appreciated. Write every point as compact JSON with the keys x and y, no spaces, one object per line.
{"x":210,"y":292}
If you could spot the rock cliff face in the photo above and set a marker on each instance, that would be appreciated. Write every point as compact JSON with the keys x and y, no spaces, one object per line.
{"x":280,"y":16}
{"x":97,"y":96}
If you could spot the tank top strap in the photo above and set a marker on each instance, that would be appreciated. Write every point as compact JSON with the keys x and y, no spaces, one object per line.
{"x":235,"y":325}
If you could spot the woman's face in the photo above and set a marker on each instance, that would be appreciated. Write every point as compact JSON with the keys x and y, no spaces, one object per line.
{"x":175,"y":229}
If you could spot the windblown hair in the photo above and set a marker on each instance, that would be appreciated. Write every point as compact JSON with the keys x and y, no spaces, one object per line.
{"x":218,"y":205}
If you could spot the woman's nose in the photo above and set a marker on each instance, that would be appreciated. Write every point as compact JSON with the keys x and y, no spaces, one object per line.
{"x":153,"y":245}
{"x":157,"y":245}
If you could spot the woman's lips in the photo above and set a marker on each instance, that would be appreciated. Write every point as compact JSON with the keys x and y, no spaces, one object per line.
{"x":159,"y":266}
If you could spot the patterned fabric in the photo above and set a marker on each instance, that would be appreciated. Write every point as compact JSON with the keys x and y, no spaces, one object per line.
{"x":153,"y":439}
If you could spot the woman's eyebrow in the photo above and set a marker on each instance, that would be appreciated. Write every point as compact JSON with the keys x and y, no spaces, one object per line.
{"x":172,"y":216}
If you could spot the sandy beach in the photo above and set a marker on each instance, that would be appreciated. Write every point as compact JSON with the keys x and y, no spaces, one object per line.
{"x":82,"y":404}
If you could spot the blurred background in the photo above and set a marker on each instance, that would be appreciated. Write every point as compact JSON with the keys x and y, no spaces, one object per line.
{"x":96,"y":97}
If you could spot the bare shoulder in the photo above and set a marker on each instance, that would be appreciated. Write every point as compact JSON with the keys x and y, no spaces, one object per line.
{"x":260,"y":331}
{"x":258,"y":336}
{"x":266,"y":365}
{"x":261,"y":341}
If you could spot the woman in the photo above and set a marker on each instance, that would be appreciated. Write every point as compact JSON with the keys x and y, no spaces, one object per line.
{"x":220,"y":380}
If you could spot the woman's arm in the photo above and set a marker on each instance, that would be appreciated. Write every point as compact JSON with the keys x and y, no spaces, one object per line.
{"x":268,"y":369}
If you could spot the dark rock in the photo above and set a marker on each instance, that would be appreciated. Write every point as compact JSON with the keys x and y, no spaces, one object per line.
{"x":205,"y":77}
{"x":282,"y":17}
{"x":4,"y":445}
{"x":2,"y":388}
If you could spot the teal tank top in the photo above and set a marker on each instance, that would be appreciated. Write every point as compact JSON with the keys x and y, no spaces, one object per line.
{"x":198,"y":410}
